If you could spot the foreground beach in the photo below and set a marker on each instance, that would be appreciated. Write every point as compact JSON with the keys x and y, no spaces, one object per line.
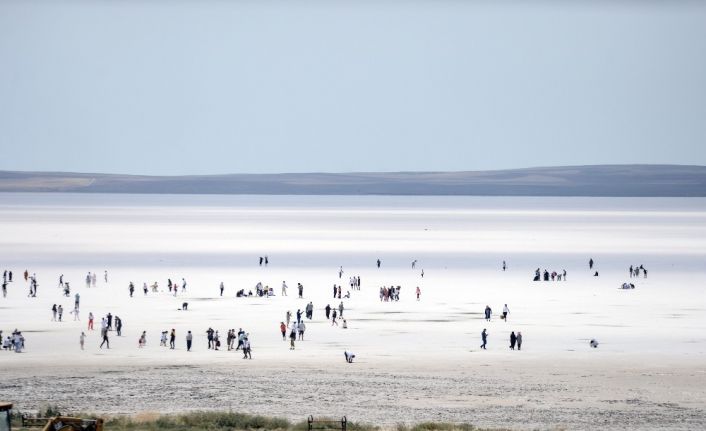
{"x":415,"y":360}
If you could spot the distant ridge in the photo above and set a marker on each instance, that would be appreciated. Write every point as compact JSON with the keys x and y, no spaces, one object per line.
{"x":597,"y":180}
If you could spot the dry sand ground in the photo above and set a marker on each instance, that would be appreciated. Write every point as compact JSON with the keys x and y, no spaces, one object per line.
{"x":416,"y":360}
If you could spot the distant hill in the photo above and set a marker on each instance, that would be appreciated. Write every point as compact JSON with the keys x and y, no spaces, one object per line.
{"x":601,"y":180}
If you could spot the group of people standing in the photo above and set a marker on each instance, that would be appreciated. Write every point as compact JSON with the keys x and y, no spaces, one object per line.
{"x":163,"y":339}
{"x":635,"y":271}
{"x":391,"y":293}
{"x":6,"y":278}
{"x":546,"y":275}
{"x":15,"y":343}
{"x":296,"y":331}
{"x":515,"y":339}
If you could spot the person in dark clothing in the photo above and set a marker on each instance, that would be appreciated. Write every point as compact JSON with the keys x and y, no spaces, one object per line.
{"x":132,"y":289}
{"x":328,"y":311}
{"x":292,"y":338}
{"x":335,"y":290}
{"x":513,"y":340}
{"x":118,"y":326}
{"x":590,"y":264}
{"x":301,"y":290}
{"x":172,"y":338}
{"x":519,"y":341}
{"x":209,"y":334}
{"x":110,"y":321}
{"x":299,"y":316}
{"x":105,"y":339}
{"x":379,"y":263}
{"x":241,"y":338}
{"x":484,"y":337}
{"x":260,"y":260}
{"x":488,"y":312}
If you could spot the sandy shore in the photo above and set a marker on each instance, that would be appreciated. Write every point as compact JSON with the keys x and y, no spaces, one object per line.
{"x":539,"y":393}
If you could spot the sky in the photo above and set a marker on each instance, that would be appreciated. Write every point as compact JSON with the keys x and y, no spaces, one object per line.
{"x":266,"y":86}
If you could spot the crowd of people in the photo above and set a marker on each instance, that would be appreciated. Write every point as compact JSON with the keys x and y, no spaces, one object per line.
{"x":547,"y":276}
{"x":293,"y":328}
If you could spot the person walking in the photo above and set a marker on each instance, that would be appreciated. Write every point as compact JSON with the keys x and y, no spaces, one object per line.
{"x":484,"y":337}
{"x":189,"y":339}
{"x":283,"y":330}
{"x":90,"y":321}
{"x":328,"y":311}
{"x":513,"y":339}
{"x":82,"y":339}
{"x":172,"y":339}
{"x":222,"y":287}
{"x":519,"y":340}
{"x":488,"y":313}
{"x":292,"y":337}
{"x":419,"y":293}
{"x":246,"y":348}
{"x":284,"y":288}
{"x":505,"y":312}
{"x":104,"y":333}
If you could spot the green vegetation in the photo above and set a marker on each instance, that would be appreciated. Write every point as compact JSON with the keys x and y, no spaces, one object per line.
{"x":229,"y":421}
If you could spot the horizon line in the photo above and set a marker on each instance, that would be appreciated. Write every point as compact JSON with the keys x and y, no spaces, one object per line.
{"x":358,"y":172}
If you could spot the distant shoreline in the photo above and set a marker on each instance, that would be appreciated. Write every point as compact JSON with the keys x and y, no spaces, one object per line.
{"x":570,"y":181}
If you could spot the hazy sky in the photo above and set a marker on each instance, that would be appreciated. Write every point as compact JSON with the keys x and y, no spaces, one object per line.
{"x":169,"y":87}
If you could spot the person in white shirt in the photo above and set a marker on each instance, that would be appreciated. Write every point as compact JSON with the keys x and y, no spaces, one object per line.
{"x":505,"y":312}
{"x":301,"y":329}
